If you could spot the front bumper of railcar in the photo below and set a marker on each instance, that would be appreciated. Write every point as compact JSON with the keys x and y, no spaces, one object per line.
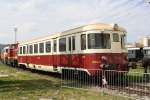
{"x":105,"y":65}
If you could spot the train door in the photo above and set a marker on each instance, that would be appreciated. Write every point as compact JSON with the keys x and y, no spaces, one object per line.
{"x":71,"y":49}
{"x":55,"y":58}
{"x":116,"y":43}
{"x":26,"y":55}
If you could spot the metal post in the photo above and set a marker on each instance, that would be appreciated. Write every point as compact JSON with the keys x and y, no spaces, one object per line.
{"x":15,"y":30}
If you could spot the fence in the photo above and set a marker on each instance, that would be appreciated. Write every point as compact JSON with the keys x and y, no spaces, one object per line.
{"x":133,"y":84}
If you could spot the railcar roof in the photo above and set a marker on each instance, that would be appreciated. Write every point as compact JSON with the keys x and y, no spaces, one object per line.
{"x":97,"y":26}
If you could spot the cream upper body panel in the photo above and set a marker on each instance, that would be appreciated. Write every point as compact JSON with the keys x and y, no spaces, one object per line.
{"x":92,"y":28}
{"x":99,"y":26}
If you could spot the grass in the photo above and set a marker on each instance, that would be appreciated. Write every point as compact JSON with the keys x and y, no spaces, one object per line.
{"x":25,"y":85}
{"x":138,"y":70}
{"x":137,"y":75}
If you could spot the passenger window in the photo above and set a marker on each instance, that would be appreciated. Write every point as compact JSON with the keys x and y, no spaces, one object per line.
{"x":73,"y":42}
{"x":41,"y":47}
{"x":27,"y":49}
{"x":69,"y":41}
{"x":35,"y":48}
{"x":144,"y":51}
{"x":20,"y":50}
{"x":115,"y":37}
{"x":148,"y":52}
{"x":62,"y":44}
{"x":83,"y":41}
{"x":24,"y":49}
{"x":48,"y":46}
{"x":55,"y":45}
{"x":30,"y":49}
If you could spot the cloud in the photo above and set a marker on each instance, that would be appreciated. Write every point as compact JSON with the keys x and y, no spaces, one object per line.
{"x":35,"y":18}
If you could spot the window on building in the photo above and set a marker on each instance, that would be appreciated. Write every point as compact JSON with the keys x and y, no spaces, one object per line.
{"x":48,"y":46}
{"x":55,"y":46}
{"x":35,"y":48}
{"x":83,"y":41}
{"x":30,"y":49}
{"x":99,"y":41}
{"x":41,"y":47}
{"x":73,"y":43}
{"x":24,"y":49}
{"x":115,"y":37}
{"x":20,"y":50}
{"x":62,"y":44}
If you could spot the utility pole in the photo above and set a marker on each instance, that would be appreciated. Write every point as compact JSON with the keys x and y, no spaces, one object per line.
{"x":15,"y":30}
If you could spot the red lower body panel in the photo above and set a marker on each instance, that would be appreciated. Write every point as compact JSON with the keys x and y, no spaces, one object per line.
{"x":85,"y":61}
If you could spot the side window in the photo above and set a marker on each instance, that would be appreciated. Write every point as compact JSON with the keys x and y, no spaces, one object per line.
{"x":24,"y":49}
{"x":27,"y":49}
{"x":62,"y":44}
{"x":54,"y":45}
{"x":48,"y":46}
{"x":41,"y":47}
{"x":144,"y":51}
{"x":148,"y":52}
{"x":73,"y":43}
{"x":115,"y":37}
{"x":69,"y":41}
{"x":30,"y":49}
{"x":20,"y":50}
{"x":83,"y":41}
{"x":35,"y":48}
{"x":123,"y":41}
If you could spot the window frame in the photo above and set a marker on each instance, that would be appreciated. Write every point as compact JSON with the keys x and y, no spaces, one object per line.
{"x":73,"y":43}
{"x":116,"y":39}
{"x":99,"y":33}
{"x":30,"y":50}
{"x":64,"y":45}
{"x":24,"y":50}
{"x":54,"y":45}
{"x":49,"y":48}
{"x":123,"y":41}
{"x":41,"y":48}
{"x":36,"y":49}
{"x":83,"y":42}
{"x":20,"y":50}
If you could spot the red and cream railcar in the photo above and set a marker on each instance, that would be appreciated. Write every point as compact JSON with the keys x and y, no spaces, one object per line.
{"x":93,"y":46}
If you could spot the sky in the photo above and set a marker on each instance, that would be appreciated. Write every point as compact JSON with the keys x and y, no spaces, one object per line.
{"x":36,"y":18}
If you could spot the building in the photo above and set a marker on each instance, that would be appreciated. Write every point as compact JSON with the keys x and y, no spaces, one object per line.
{"x":145,"y":42}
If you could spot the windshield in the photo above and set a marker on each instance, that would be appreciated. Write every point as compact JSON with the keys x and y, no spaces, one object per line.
{"x":99,"y":41}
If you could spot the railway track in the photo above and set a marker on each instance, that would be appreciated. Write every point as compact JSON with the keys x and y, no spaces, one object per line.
{"x":139,"y":90}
